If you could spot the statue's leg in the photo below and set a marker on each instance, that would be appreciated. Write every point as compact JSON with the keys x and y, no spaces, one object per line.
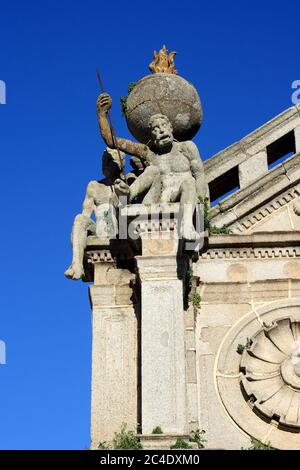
{"x":188,"y":199}
{"x":153,"y":195}
{"x":81,"y":226}
{"x":148,"y":180}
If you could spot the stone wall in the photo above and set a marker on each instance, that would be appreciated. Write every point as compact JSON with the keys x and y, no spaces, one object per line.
{"x":244,"y":293}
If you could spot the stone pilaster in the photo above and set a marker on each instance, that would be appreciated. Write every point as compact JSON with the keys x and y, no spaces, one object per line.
{"x":114,"y":353}
{"x":191,"y":371}
{"x":163,"y":397}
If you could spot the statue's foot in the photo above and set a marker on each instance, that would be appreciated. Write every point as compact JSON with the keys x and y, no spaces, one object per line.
{"x":189,"y":233}
{"x":74,"y":272}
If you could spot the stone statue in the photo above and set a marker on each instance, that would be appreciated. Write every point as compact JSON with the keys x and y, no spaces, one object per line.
{"x":100,"y":199}
{"x":174,"y":173}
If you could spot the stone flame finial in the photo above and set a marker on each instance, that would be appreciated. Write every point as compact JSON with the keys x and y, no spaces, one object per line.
{"x":163,"y":62}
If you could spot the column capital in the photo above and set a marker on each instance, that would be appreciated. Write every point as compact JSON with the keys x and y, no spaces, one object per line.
{"x":161,"y":267}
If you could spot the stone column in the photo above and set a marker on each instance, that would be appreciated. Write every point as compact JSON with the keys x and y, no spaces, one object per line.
{"x":114,"y":353}
{"x":163,"y":397}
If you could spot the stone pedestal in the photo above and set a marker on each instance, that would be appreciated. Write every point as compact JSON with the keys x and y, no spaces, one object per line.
{"x":143,"y":371}
{"x":163,"y":397}
{"x":114,"y":355}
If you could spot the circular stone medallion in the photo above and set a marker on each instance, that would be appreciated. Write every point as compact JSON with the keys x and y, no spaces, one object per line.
{"x":271,"y":372}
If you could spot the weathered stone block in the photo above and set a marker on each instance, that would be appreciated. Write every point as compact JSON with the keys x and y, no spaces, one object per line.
{"x":267,"y":291}
{"x":253,"y":168}
{"x":114,"y":372}
{"x":226,"y":293}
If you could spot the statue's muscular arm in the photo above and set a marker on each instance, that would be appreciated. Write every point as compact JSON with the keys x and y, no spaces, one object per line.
{"x":197,"y":169}
{"x":104,"y":103}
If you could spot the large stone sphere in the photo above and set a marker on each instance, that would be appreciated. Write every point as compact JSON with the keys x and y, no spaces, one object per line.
{"x":168,"y":94}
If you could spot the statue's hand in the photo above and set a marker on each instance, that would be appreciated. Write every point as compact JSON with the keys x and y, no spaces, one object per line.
{"x":121,"y":188}
{"x":104,"y":103}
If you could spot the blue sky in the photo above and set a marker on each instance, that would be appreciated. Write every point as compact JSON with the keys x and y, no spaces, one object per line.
{"x":241,"y":56}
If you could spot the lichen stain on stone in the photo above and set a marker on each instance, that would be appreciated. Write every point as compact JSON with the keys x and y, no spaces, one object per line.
{"x":183,"y":119}
{"x":237,"y":273}
{"x":292,"y":268}
{"x":213,"y":336}
{"x":172,"y":85}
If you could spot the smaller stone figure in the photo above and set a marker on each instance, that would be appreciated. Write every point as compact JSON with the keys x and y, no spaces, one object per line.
{"x":101,"y":200}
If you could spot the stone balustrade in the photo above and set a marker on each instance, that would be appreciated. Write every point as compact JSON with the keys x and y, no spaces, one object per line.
{"x":254,"y":156}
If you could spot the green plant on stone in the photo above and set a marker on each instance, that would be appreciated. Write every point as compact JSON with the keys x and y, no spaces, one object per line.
{"x":195,"y":299}
{"x":123,"y":103}
{"x":258,"y":445}
{"x":219,"y":230}
{"x":109,"y":223}
{"x":241,"y":347}
{"x":198,"y":437}
{"x":157,"y":430}
{"x":131,"y":87}
{"x":207,"y":222}
{"x":252,"y":399}
{"x":126,"y":440}
{"x":103,"y":445}
{"x":189,"y":275}
{"x":181,"y":444}
{"x":123,"y":99}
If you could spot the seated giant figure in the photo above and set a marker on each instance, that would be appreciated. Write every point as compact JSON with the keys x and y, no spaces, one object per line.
{"x":174,"y":171}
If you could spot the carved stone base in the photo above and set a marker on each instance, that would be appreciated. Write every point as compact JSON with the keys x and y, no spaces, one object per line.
{"x":142,"y":378}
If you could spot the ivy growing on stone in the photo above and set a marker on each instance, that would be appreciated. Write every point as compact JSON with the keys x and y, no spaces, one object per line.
{"x":123,"y":99}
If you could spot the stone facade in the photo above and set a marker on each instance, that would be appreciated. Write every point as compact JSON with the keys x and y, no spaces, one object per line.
{"x":229,"y":364}
{"x":253,"y":288}
{"x":250,"y":300}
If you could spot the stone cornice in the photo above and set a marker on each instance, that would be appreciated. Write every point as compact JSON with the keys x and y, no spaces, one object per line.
{"x":255,"y":240}
{"x":161,"y":267}
{"x":251,"y":253}
{"x":255,"y":246}
{"x":264,"y":211}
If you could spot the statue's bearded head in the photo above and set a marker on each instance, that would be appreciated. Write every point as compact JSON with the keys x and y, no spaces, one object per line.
{"x":161,"y":131}
{"x":111,"y":165}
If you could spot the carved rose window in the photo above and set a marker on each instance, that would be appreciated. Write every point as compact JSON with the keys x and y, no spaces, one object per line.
{"x":270,"y":368}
